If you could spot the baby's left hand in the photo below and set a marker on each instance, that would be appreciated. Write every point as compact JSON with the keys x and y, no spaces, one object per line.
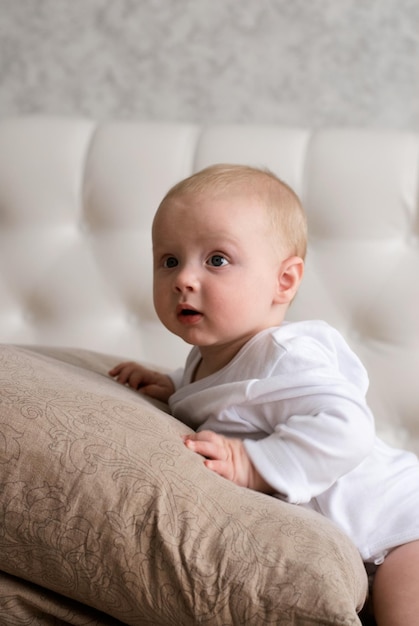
{"x":228,"y":458}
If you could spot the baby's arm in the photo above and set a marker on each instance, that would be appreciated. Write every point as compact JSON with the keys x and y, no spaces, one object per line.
{"x":149,"y":382}
{"x":228,"y":458}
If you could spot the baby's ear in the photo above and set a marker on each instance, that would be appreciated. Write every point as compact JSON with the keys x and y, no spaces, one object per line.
{"x":290,"y":276}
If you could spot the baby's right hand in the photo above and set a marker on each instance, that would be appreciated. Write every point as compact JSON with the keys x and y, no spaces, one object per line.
{"x":154,"y":384}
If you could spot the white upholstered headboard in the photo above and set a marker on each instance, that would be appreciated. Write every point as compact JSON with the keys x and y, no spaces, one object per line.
{"x":77,"y":199}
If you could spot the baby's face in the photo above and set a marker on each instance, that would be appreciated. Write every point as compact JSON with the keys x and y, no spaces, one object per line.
{"x":215,"y":268}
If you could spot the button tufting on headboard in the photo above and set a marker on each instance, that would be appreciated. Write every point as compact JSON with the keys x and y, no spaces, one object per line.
{"x":77,"y":199}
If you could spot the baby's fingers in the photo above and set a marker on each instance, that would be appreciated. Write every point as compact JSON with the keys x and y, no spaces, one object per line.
{"x":127,"y":373}
{"x":211,"y":449}
{"x":115,"y":370}
{"x":222,"y":468}
{"x":121,"y":368}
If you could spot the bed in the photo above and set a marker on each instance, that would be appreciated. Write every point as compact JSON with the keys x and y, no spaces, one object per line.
{"x":105,"y":517}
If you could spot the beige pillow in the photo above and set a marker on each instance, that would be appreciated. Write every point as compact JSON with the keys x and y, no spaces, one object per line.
{"x":101,"y":503}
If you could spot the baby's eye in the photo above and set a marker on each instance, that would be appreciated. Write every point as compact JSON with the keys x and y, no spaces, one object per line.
{"x":170,"y":262}
{"x":217,"y":260}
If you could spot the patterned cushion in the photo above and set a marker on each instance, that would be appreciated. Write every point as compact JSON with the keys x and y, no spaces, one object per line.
{"x":105,"y":514}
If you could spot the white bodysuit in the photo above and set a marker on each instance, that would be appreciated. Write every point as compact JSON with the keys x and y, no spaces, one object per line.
{"x":296,"y":395}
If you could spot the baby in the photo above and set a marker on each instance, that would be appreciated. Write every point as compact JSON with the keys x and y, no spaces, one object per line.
{"x":278,"y":407}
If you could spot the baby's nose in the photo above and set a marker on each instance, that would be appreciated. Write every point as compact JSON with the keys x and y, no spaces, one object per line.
{"x":186,"y":279}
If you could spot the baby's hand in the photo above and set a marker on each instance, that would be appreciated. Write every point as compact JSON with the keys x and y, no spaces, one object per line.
{"x":228,"y":458}
{"x":154,"y":384}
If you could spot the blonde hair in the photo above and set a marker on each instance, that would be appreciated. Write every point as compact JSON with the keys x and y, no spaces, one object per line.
{"x":282,"y":203}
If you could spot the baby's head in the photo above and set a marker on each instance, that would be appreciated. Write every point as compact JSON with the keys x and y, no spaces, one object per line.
{"x":228,"y":247}
{"x":284,"y":210}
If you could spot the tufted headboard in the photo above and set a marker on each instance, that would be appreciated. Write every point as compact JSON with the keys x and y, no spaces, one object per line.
{"x":77,"y":198}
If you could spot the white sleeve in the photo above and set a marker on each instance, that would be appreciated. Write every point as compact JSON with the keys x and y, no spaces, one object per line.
{"x":307,"y":453}
{"x":318,"y":421}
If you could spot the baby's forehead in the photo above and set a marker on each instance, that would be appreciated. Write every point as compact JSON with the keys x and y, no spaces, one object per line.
{"x":223,"y":217}
{"x":246,"y":197}
{"x":221,"y":212}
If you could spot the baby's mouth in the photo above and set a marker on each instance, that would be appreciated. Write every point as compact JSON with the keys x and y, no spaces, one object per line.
{"x":187,"y":314}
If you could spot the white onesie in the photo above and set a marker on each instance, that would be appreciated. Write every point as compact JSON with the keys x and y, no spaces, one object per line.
{"x":296,"y":395}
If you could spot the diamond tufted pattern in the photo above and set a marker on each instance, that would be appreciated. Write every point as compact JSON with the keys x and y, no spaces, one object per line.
{"x":77,"y":198}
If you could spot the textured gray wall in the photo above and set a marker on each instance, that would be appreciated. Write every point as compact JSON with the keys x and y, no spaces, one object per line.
{"x":298,"y":62}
